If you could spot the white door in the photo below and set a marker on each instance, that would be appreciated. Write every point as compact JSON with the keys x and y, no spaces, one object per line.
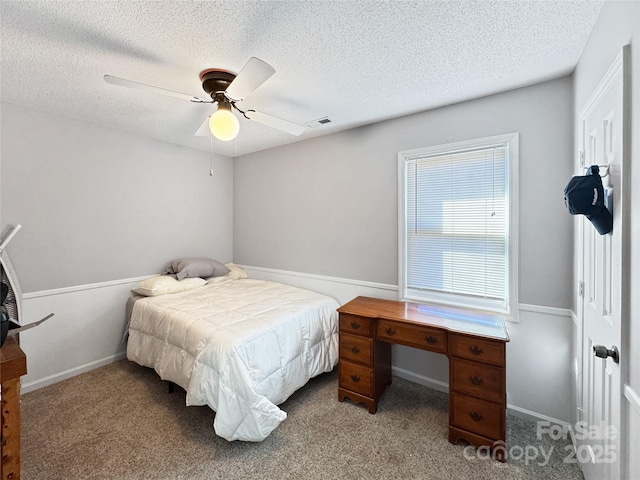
{"x":602,"y":125}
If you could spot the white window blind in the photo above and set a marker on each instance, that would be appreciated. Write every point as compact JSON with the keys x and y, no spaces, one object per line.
{"x":456,"y":226}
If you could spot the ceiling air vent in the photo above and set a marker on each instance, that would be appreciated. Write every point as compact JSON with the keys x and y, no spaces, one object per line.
{"x":318,"y":122}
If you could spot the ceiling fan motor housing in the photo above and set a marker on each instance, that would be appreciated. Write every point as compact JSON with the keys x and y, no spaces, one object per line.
{"x":216,"y":82}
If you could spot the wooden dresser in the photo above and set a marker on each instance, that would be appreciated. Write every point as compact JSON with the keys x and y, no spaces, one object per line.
{"x":13,"y":364}
{"x":474,"y":344}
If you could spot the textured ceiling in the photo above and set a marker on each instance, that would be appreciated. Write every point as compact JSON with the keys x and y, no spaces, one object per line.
{"x":356,"y":62}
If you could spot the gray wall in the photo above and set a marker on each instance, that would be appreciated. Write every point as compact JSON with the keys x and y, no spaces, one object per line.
{"x":328,"y":205}
{"x":99,"y":205}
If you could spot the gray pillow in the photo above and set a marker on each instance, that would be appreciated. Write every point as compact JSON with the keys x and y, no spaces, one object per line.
{"x":197,"y":267}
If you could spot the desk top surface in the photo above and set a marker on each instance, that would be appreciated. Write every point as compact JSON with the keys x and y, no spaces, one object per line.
{"x":13,"y":361}
{"x":449,"y":318}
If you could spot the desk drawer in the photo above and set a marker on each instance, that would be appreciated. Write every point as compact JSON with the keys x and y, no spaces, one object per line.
{"x":477,"y":416}
{"x":477,"y":349}
{"x":413,"y":335}
{"x":356,"y":349}
{"x":355,"y":324}
{"x":477,"y":379}
{"x":356,"y":378}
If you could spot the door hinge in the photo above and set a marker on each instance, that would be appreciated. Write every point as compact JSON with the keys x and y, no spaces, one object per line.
{"x":581,"y":289}
{"x":581,"y":158}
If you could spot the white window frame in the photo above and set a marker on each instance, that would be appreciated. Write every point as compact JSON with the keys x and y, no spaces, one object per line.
{"x":512,"y":226}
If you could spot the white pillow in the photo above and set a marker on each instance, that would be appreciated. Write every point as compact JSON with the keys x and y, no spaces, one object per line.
{"x":235,"y":273}
{"x":164,"y":284}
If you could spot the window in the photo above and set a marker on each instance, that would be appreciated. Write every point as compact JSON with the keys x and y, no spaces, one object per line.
{"x":458,"y":224}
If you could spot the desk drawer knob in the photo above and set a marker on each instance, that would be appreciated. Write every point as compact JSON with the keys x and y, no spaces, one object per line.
{"x":476,"y":381}
{"x":355,"y":378}
{"x":431,"y":340}
{"x":355,"y":349}
{"x":355,"y":325}
{"x":476,"y":351}
{"x":390,"y":331}
{"x":476,"y":417}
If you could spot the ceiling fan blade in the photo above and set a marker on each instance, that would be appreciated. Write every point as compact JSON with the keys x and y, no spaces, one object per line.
{"x":275,"y":122}
{"x":204,"y":131}
{"x":122,"y":82}
{"x":252,"y":75}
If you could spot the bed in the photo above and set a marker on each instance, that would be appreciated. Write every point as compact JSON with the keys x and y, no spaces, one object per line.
{"x":239,"y":345}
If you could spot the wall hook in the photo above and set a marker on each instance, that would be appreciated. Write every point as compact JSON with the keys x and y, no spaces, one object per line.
{"x":595,"y":169}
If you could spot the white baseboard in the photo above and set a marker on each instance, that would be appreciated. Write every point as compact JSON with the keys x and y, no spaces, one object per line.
{"x":534,"y":416}
{"x":72,"y":372}
{"x":421,"y":379}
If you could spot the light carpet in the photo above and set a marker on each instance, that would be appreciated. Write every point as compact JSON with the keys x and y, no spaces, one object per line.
{"x":119,"y":422}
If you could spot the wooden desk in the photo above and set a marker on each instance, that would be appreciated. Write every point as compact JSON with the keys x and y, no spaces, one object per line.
{"x":474,"y":344}
{"x":13,"y":364}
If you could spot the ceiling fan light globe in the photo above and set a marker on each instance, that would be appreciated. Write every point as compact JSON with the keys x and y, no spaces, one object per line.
{"x":224,"y":125}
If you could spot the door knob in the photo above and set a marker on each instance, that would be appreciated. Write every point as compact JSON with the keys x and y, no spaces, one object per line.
{"x":604,"y":352}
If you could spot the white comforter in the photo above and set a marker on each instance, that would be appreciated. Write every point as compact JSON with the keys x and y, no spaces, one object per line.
{"x":239,"y":346}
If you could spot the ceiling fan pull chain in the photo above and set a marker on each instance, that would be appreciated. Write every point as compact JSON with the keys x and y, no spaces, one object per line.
{"x":210,"y":154}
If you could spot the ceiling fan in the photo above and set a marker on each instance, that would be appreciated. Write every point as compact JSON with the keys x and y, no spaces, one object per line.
{"x":226,"y":89}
